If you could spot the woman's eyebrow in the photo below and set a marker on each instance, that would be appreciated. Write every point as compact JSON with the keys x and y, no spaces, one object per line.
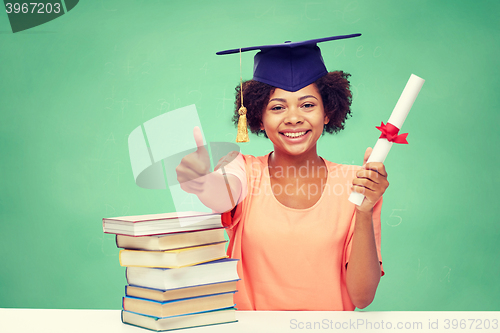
{"x":282,"y":100}
{"x":307,"y":96}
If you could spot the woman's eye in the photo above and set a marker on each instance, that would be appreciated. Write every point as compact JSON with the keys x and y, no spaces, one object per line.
{"x":277,"y":108}
{"x":308,"y":105}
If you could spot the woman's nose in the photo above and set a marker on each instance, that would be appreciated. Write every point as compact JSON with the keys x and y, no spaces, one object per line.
{"x":293,"y":116}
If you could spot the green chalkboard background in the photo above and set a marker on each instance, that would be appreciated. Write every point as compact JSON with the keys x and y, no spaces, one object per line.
{"x":73,"y":89}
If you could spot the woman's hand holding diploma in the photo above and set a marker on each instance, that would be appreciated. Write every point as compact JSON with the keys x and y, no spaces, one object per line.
{"x":390,"y":131}
{"x":216,"y":191}
{"x":371,"y":182}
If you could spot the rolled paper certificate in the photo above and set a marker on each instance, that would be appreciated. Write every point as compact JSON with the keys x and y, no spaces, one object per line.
{"x":397,"y":119}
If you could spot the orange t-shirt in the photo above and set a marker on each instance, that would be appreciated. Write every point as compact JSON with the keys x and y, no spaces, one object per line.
{"x":292,"y":259}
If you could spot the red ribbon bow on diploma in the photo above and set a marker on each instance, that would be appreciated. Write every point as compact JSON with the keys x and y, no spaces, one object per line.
{"x":390,"y":132}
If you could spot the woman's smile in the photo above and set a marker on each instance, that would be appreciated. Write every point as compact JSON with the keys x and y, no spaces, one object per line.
{"x":296,"y":137}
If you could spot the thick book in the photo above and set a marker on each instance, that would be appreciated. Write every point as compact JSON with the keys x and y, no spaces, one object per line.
{"x":178,"y":307}
{"x":180,"y":293}
{"x":172,"y":241}
{"x":155,"y":224}
{"x":177,"y":322}
{"x":170,"y":278}
{"x":173,"y":258}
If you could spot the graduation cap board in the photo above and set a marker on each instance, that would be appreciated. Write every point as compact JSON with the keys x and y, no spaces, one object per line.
{"x":291,"y":65}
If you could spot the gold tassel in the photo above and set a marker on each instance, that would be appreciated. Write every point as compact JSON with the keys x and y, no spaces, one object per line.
{"x":242,"y":135}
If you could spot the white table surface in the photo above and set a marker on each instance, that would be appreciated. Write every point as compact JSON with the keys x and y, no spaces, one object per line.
{"x":109,"y":321}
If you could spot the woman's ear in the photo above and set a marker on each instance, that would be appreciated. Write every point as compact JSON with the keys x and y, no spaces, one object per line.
{"x":327,"y":120}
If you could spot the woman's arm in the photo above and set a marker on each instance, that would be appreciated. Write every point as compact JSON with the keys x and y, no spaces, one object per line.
{"x":363,"y":271}
{"x":215,"y":190}
{"x":220,"y":192}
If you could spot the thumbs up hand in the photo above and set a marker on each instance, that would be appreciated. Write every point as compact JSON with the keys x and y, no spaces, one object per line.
{"x":194,"y":167}
{"x":371,"y":181}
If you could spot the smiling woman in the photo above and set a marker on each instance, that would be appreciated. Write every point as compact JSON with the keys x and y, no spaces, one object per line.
{"x":294,"y":121}
{"x":302,"y":245}
{"x":333,"y":88}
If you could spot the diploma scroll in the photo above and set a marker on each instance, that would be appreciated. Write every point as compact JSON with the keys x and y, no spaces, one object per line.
{"x":397,"y":119}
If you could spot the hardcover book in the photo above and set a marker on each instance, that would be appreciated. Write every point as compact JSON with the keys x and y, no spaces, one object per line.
{"x":154,"y":224}
{"x":173,"y":258}
{"x":180,"y":293}
{"x":171,"y":241}
{"x":177,"y":322}
{"x":170,"y":278}
{"x":178,"y":307}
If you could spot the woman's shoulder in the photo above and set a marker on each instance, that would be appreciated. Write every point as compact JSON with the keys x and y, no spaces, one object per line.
{"x":255,"y":161}
{"x":238,"y":163}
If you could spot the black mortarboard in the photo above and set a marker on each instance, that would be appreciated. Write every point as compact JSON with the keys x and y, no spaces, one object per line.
{"x":291,"y":65}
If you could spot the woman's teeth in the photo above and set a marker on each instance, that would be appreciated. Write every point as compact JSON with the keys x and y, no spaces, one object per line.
{"x":294,"y":135}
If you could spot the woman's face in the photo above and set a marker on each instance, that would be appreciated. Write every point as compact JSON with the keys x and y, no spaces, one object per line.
{"x":294,"y":121}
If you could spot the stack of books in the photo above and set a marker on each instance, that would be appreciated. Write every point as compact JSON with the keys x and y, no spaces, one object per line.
{"x":178,"y":274}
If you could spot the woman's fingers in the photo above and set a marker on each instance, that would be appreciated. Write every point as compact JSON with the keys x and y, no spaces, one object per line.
{"x":374,"y":171}
{"x":371,"y":182}
{"x":377,"y":167}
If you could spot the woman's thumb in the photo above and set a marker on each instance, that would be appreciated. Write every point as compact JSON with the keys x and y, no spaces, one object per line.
{"x":198,"y":137}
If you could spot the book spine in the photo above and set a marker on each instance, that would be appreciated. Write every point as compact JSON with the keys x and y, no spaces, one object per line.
{"x":126,"y":275}
{"x":120,"y":257}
